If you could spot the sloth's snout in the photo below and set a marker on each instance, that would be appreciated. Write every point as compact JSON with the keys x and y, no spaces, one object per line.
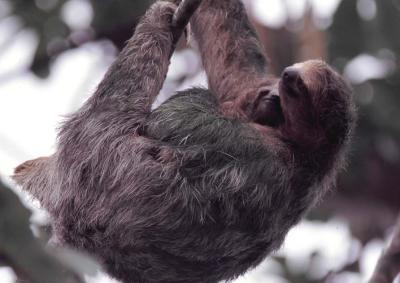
{"x":292,"y":82}
{"x":290,"y":75}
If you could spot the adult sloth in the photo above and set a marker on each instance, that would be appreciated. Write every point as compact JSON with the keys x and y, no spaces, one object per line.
{"x":208,"y":184}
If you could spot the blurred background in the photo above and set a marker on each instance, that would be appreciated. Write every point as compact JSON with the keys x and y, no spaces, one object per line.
{"x":54,"y":52}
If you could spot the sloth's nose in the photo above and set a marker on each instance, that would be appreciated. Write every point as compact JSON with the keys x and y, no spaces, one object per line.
{"x":290,"y":75}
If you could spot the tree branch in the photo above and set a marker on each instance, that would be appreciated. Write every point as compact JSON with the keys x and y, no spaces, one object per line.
{"x":388,"y":266}
{"x":21,"y":251}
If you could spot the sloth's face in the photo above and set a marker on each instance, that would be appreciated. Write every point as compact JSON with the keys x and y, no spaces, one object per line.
{"x":304,"y":92}
{"x":297,"y":88}
{"x":312,"y":91}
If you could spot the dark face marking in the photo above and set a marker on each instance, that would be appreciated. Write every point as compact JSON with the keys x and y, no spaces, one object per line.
{"x":292,"y":83}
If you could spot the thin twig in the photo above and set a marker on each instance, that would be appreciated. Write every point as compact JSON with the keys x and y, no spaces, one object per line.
{"x":388,"y":266}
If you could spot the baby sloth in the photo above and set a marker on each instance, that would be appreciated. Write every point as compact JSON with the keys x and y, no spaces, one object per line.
{"x":208,"y":184}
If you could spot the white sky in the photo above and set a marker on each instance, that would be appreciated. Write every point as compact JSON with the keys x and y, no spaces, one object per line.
{"x":274,"y":13}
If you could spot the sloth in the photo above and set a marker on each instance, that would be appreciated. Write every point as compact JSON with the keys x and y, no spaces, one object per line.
{"x":208,"y":184}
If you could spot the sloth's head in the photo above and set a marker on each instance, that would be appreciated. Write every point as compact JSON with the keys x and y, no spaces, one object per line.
{"x":310,"y":101}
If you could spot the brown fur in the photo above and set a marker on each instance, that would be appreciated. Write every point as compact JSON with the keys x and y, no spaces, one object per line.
{"x":207,"y":185}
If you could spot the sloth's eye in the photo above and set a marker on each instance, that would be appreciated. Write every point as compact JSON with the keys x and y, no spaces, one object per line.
{"x":301,"y":87}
